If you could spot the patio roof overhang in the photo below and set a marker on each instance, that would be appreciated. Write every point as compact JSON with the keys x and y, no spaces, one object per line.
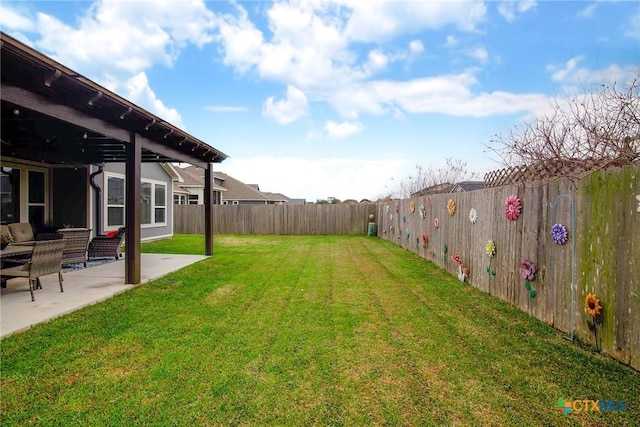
{"x":53,"y":115}
{"x":66,"y":118}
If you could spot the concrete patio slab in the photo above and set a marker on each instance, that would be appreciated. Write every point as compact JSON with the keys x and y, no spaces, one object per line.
{"x":82,"y":287}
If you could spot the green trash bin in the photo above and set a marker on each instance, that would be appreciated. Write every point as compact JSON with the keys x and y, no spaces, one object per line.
{"x":373,"y":229}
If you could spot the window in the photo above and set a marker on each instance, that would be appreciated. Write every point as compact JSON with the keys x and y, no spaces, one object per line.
{"x":153,"y":209}
{"x":235,"y":202}
{"x":145,"y":204}
{"x":160,"y":203}
{"x":179,"y":199}
{"x":115,"y":201}
{"x":35,"y":205}
{"x":23,"y":193}
{"x":153,"y":202}
{"x":10,"y":193}
{"x":193,"y":199}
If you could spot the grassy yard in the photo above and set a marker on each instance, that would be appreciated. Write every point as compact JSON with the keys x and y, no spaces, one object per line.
{"x":292,"y":330}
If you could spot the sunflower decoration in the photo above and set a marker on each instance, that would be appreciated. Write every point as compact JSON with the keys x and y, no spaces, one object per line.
{"x":412,"y":206}
{"x":592,"y":303}
{"x":423,"y":212}
{"x":436,"y":223}
{"x":512,"y":207}
{"x":594,"y":309}
{"x":559,"y":234}
{"x":490,"y":250}
{"x":451,"y":207}
{"x":473,"y":215}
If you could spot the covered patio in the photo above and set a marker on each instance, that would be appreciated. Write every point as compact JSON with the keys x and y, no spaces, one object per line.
{"x":55,"y":119}
{"x":82,"y":287}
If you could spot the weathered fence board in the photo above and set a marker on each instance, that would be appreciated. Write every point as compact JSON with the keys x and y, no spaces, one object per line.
{"x":607,"y":249}
{"x":275,"y":219}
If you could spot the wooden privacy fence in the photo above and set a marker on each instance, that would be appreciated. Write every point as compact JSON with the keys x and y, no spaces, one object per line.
{"x":605,"y":258}
{"x":275,"y":219}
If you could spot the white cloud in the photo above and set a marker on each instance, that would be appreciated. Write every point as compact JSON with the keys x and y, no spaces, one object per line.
{"x":287,"y":110}
{"x":226,"y":109}
{"x":452,"y":41}
{"x":115,"y":42}
{"x":571,"y":74}
{"x":510,"y":8}
{"x":379,"y":20}
{"x":13,"y":21}
{"x":588,"y":11}
{"x":137,"y":90}
{"x":450,"y":94}
{"x":633,"y":27}
{"x":319,"y":178}
{"x":480,"y":54}
{"x":342,"y":130}
{"x":416,"y":46}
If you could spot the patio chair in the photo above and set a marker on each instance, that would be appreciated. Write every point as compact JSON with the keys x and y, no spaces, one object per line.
{"x":106,"y":247}
{"x":46,"y":258}
{"x":76,"y":243}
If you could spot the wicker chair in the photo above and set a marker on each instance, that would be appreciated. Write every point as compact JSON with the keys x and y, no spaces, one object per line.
{"x":106,"y":247}
{"x":76,"y":243}
{"x":46,"y":259}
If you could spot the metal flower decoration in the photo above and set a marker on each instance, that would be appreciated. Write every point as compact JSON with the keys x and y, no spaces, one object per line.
{"x":473,"y":215}
{"x":451,"y":207}
{"x":412,"y":206}
{"x":512,"y":207}
{"x":528,"y":272}
{"x":594,"y":309}
{"x":592,"y":303}
{"x":436,"y":223}
{"x":559,"y":234}
{"x":490,"y":248}
{"x":423,"y":212}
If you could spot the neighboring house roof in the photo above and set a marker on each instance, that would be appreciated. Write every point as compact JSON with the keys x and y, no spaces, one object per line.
{"x":464,"y":186}
{"x":179,"y":190}
{"x":238,"y":190}
{"x":447,"y":187}
{"x":276,"y":197}
{"x":193,"y":177}
{"x":234,"y":189}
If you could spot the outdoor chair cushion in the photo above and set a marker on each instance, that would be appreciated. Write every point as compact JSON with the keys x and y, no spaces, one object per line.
{"x":21,"y":232}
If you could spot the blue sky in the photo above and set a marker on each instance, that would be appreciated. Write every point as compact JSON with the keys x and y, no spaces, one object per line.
{"x":338,"y":98}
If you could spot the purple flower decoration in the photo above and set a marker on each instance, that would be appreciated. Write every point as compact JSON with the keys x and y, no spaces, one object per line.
{"x":559,"y":234}
{"x":528,"y":270}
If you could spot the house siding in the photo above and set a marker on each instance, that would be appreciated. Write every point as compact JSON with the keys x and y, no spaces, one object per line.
{"x":150,"y":171}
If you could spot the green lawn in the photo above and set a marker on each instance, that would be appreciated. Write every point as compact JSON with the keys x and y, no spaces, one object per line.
{"x":291,"y":330}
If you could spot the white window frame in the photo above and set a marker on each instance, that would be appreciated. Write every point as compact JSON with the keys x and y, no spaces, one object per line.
{"x":197,"y":199}
{"x":182,"y":199}
{"x":153,"y":183}
{"x":106,"y":204}
{"x":235,"y":202}
{"x":24,"y":188}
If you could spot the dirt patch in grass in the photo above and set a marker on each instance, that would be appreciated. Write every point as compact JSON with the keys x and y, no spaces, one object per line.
{"x":223,"y":293}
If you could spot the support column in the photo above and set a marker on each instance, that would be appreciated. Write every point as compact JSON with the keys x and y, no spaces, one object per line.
{"x":133,"y":175}
{"x":208,"y":209}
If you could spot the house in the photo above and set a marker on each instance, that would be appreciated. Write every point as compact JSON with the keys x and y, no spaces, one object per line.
{"x":447,"y":187}
{"x":74,"y":152}
{"x":227,"y":190}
